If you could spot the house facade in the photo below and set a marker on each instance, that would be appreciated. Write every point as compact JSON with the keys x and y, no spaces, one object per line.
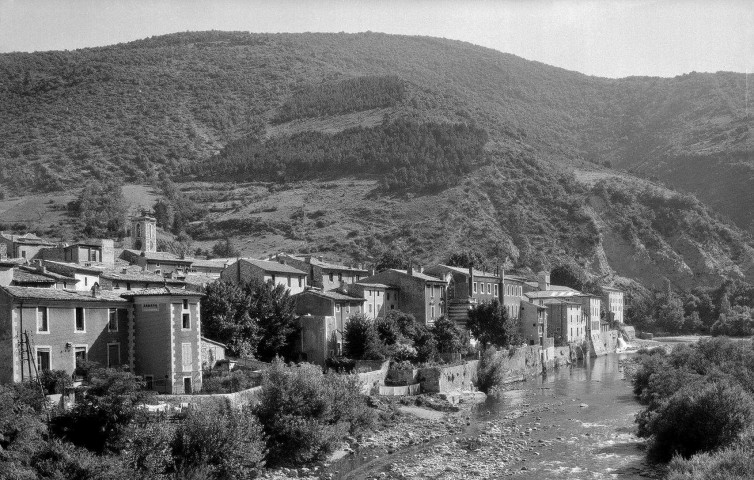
{"x":324,"y":275}
{"x":614,"y":302}
{"x":565,"y":322}
{"x":379,"y":299}
{"x":25,"y":246}
{"x":329,"y":310}
{"x":247,"y":269}
{"x":86,"y":277}
{"x":418,"y":293}
{"x":533,"y":323}
{"x":153,"y":333}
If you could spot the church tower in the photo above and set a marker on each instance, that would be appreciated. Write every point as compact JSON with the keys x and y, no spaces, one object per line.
{"x":144,"y":233}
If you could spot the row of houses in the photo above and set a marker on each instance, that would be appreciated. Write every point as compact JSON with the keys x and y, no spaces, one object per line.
{"x":140,"y":309}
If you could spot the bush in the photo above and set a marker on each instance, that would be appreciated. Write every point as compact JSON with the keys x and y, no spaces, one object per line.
{"x":55,"y":381}
{"x":388,"y":330}
{"x":98,"y":420}
{"x":449,"y":337}
{"x":402,"y":352}
{"x":219,"y":443}
{"x":306,"y":413}
{"x":697,"y":419}
{"x":736,"y":463}
{"x":425,"y":344}
{"x":148,"y":450}
{"x":230,"y":382}
{"x":490,"y":373}
{"x":362,"y":342}
{"x":340,"y":364}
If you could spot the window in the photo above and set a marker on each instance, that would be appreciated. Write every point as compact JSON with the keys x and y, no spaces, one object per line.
{"x":432,"y":312}
{"x":431,"y":291}
{"x":379,"y":293}
{"x":43,"y":359}
{"x":86,"y":281}
{"x":23,"y":253}
{"x":392,"y":307}
{"x":474,"y":290}
{"x":128,"y":285}
{"x":370,"y":308}
{"x":79,"y":355}
{"x":43,"y":326}
{"x":112,"y":321}
{"x":489,"y":288}
{"x":273,"y":278}
{"x":187,"y":360}
{"x":387,"y":295}
{"x":299,"y":282}
{"x":348,"y":309}
{"x":337,"y":307}
{"x":340,"y":277}
{"x":149,"y":382}
{"x":185,"y":303}
{"x":331,"y":276}
{"x":497,"y":290}
{"x":113,"y":355}
{"x":186,"y":321}
{"x":187,"y":385}
{"x":80,"y":325}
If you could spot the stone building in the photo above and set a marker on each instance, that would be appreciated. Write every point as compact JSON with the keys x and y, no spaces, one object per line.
{"x":417,"y":293}
{"x":247,"y":269}
{"x":144,"y":233}
{"x":324,"y":275}
{"x":614,"y":302}
{"x":25,"y":246}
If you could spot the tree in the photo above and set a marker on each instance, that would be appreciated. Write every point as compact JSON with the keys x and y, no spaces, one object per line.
{"x":224,"y":249}
{"x":226,"y":318}
{"x":361,"y":340}
{"x":274,"y":312}
{"x":109,"y":403}
{"x":448,"y":336}
{"x":102,"y":208}
{"x":490,"y":324}
{"x":465,"y":259}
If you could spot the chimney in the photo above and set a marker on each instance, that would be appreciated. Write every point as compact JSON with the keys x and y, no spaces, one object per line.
{"x":95,"y":290}
{"x":410,"y":270}
{"x":471,"y":279}
{"x":125,"y":270}
{"x":421,"y":269}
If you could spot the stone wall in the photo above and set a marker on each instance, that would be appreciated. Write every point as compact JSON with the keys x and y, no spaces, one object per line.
{"x":446,"y":379}
{"x":602,"y":343}
{"x":235,"y":400}
{"x":402,"y":377}
{"x":371,"y":381}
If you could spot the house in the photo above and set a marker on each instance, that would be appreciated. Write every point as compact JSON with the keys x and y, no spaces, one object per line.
{"x":324,"y":275}
{"x":86,"y":277}
{"x":379,"y":299}
{"x":212,"y":352}
{"x":514,"y":288}
{"x":614,"y":302}
{"x":331,"y":305}
{"x":212,"y":267}
{"x":153,"y":333}
{"x":417,"y":293}
{"x":466,"y":288}
{"x":247,"y":269}
{"x":565,"y":322}
{"x":160,"y":263}
{"x":25,"y":246}
{"x":533,"y":323}
{"x":90,"y":252}
{"x":591,"y":306}
{"x":134,"y":278}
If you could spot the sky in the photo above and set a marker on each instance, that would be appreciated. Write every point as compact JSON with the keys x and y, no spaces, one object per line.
{"x":609,"y":38}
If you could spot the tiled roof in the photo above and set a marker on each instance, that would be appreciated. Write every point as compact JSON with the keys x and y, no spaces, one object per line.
{"x":327,"y":265}
{"x":200,"y":279}
{"x":64,"y":266}
{"x":564,"y":301}
{"x":562,"y":288}
{"x":416,"y":274}
{"x":273,"y":266}
{"x":462,"y":271}
{"x":213,"y":262}
{"x":132,"y":276}
{"x":23,"y":276}
{"x":48,"y":274}
{"x":34,"y":293}
{"x":27,"y":239}
{"x":165,"y":257}
{"x":554,"y":294}
{"x":612,"y":289}
{"x":153,"y":292}
{"x":332,"y":295}
{"x":375,"y":285}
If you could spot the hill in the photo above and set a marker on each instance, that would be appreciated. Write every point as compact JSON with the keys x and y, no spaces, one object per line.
{"x":457,"y":146}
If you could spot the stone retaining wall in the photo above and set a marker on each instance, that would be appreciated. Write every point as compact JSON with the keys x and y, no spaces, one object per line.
{"x":414,"y":389}
{"x":371,"y":381}
{"x":602,"y":343}
{"x":235,"y":400}
{"x":445,"y":379}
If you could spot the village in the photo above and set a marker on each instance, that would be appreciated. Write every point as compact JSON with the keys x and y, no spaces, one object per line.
{"x":139,"y":309}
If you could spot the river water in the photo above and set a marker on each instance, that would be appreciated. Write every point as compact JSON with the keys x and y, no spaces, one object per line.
{"x":582,"y":421}
{"x":574,"y":423}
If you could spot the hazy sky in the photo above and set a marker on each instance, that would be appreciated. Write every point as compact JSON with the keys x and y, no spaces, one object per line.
{"x":613,"y":38}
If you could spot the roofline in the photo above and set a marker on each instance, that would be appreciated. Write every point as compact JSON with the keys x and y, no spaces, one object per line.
{"x":322,"y":294}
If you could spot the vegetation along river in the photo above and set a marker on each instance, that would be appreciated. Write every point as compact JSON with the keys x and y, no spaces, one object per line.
{"x":573,"y":423}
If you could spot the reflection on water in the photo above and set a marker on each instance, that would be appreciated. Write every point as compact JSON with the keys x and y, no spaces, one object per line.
{"x":584,"y":419}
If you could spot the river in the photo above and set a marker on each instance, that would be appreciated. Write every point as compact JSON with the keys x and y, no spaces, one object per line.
{"x":574,"y":423}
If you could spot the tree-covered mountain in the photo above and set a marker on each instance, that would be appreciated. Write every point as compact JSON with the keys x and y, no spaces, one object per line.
{"x":489,"y":141}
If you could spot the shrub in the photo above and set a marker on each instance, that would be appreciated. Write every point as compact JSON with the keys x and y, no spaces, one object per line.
{"x":402,"y":352}
{"x":362,"y":342}
{"x":388,"y":330}
{"x":697,"y":419}
{"x":340,"y":364}
{"x":229,"y":382}
{"x":490,"y":372}
{"x":425,"y":344}
{"x":736,"y":463}
{"x":58,"y":459}
{"x":449,"y":337}
{"x":305,"y":413}
{"x":490,"y":324}
{"x":148,"y":450}
{"x":55,"y":381}
{"x":98,"y":420}
{"x":220,"y":443}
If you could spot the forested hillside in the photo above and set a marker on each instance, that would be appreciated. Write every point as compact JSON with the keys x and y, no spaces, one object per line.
{"x":458,"y":147}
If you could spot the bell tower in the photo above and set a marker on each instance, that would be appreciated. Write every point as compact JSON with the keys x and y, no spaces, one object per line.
{"x":144,"y":233}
